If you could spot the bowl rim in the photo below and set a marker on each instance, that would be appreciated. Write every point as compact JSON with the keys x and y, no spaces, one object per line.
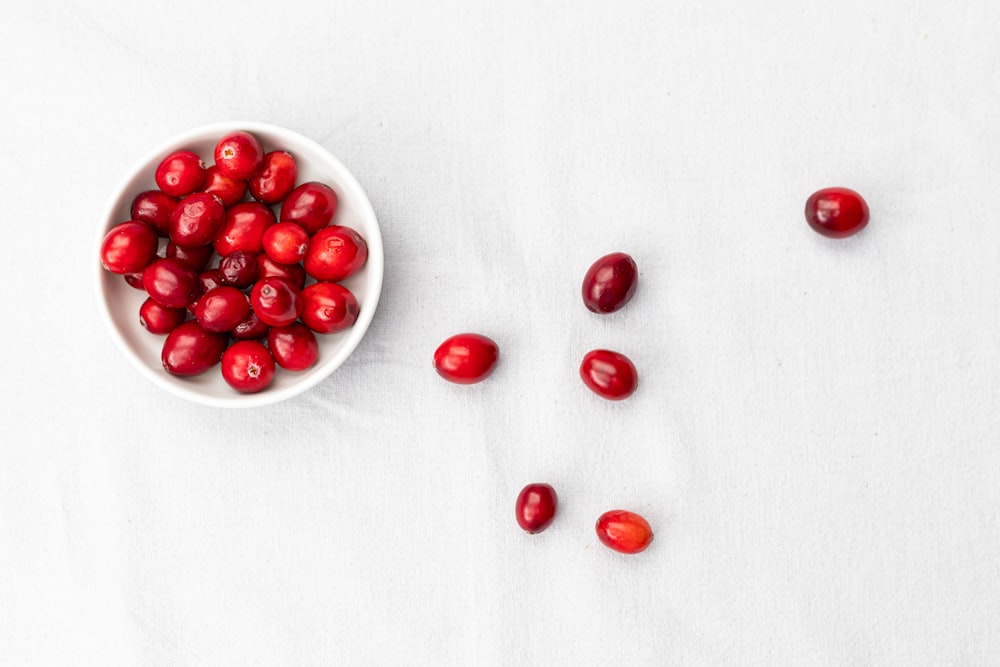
{"x":375,"y":266}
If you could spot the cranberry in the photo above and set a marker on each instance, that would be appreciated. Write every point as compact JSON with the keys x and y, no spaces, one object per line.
{"x":198,"y":257}
{"x":238,"y":155}
{"x":158,"y":319}
{"x":277,"y":302}
{"x":247,"y":366}
{"x":286,"y":242}
{"x":536,"y":507}
{"x":275,"y":178}
{"x":154,"y":208}
{"x":210,"y":279}
{"x":171,"y":282}
{"x":293,"y":273}
{"x":312,"y":205}
{"x":134,"y":280}
{"x":230,"y":190}
{"x":836,"y":212}
{"x":466,"y":358}
{"x":197,"y":219}
{"x":190,"y":350}
{"x":335,"y":253}
{"x":180,"y":173}
{"x":624,"y":531}
{"x":609,"y":374}
{"x":128,"y":247}
{"x":610,"y":283}
{"x":244,"y":228}
{"x":222,"y":308}
{"x":252,"y":328}
{"x":328,"y":307}
{"x":293,"y":346}
{"x":239,"y":269}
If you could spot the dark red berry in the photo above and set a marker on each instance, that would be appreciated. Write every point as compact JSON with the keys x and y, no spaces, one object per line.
{"x":328,"y":307}
{"x":190,"y":350}
{"x":252,"y":328}
{"x":609,"y":374}
{"x":197,"y":257}
{"x":159,"y":319}
{"x":154,"y":207}
{"x":197,"y":219}
{"x":610,"y":283}
{"x":293,"y":273}
{"x":312,"y":205}
{"x":171,"y":282}
{"x":239,"y":269}
{"x":275,"y":178}
{"x":836,"y":212}
{"x":129,"y":247}
{"x":222,"y":309}
{"x":293,"y":346}
{"x":535,"y":508}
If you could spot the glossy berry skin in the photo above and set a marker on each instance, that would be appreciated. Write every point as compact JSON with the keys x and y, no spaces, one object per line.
{"x":190,"y":350}
{"x":244,"y":228}
{"x":171,"y":282}
{"x":466,"y":358}
{"x":252,"y":328}
{"x":196,"y":220}
{"x":275,"y":178}
{"x":239,"y":269}
{"x":198,"y":258}
{"x":230,"y":190}
{"x":610,"y":283}
{"x":335,"y":253}
{"x":268,"y":268}
{"x":157,"y":319}
{"x":286,"y":242}
{"x":247,"y":366}
{"x":623,"y":531}
{"x":154,"y":207}
{"x":836,"y":212}
{"x":128,"y":247}
{"x":293,"y":346}
{"x":609,"y":374}
{"x":535,"y":508}
{"x":238,"y":155}
{"x":134,"y":280}
{"x":222,"y":308}
{"x":328,"y":307}
{"x":312,"y":205}
{"x":180,"y":173}
{"x":277,"y":302}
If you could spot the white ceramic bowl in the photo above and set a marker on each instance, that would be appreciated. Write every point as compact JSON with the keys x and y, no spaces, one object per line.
{"x":119,"y":303}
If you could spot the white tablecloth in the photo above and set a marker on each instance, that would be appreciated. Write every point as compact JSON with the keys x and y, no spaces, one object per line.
{"x":815,"y":438}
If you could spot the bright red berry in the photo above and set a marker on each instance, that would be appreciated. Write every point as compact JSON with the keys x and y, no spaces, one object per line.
{"x":609,"y":374}
{"x":836,"y":212}
{"x":238,"y":155}
{"x":535,"y":508}
{"x":610,"y":283}
{"x":247,"y":366}
{"x":624,"y":531}
{"x":466,"y":358}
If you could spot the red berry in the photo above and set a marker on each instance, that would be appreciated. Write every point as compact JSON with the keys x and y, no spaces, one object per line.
{"x":277,"y":302}
{"x":180,"y":173}
{"x":196,"y":220}
{"x":610,"y":283}
{"x":286,"y":242}
{"x":230,"y":190}
{"x":312,"y":205}
{"x":244,"y":228}
{"x":128,"y":247}
{"x":134,"y":280}
{"x":328,"y":307}
{"x":190,"y":350}
{"x":335,"y":253}
{"x":624,"y":531}
{"x":466,"y":358}
{"x":836,"y":212}
{"x":239,"y":269}
{"x":247,"y":366}
{"x":536,"y":507}
{"x":222,"y":308}
{"x":293,"y":273}
{"x":198,"y":258}
{"x":293,"y":346}
{"x":238,"y":155}
{"x":208,"y":280}
{"x":275,"y":178}
{"x":609,"y":374}
{"x":154,"y":208}
{"x":252,"y":328}
{"x":158,"y":319}
{"x":171,"y":282}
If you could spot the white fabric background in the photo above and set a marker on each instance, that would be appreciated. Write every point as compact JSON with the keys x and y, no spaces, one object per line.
{"x":815,"y":439}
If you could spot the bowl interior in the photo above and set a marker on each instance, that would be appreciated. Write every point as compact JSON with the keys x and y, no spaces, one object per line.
{"x":120,"y":303}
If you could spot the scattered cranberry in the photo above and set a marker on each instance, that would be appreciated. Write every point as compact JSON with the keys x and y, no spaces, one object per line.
{"x":190,"y":350}
{"x":275,"y":178}
{"x":466,"y":358}
{"x":836,"y":212}
{"x":293,"y":273}
{"x":247,"y":366}
{"x":624,"y":531}
{"x":536,"y":507}
{"x":328,"y":307}
{"x":159,"y":319}
{"x":609,"y":374}
{"x":230,"y":190}
{"x":238,"y":155}
{"x":128,"y":247}
{"x":276,"y":301}
{"x":335,"y":253}
{"x":239,"y":269}
{"x":610,"y":283}
{"x":197,"y":219}
{"x":252,"y":328}
{"x":222,"y":308}
{"x":312,"y":205}
{"x":154,"y":208}
{"x":244,"y":228}
{"x":171,"y":282}
{"x":286,"y":242}
{"x":197,"y":257}
{"x":293,"y":346}
{"x":180,"y":173}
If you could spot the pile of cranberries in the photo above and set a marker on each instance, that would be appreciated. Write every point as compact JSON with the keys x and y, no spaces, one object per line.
{"x":241,"y":265}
